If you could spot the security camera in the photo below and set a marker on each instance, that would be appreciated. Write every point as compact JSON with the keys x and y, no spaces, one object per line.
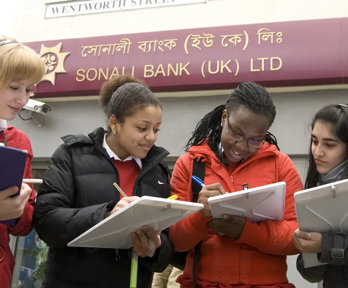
{"x":35,"y":110}
{"x":37,"y":106}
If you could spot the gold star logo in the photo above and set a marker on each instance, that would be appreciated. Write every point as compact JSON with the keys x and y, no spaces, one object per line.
{"x":54,"y":61}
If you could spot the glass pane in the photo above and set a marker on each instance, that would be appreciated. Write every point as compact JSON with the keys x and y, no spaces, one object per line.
{"x":30,"y":254}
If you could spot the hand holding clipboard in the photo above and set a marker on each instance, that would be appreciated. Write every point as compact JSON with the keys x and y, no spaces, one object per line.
{"x":12,"y":164}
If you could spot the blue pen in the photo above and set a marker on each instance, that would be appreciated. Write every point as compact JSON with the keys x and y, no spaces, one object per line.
{"x":198,"y":180}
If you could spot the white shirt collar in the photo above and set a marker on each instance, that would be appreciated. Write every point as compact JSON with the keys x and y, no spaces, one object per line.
{"x":113,"y":155}
{"x":3,"y":125}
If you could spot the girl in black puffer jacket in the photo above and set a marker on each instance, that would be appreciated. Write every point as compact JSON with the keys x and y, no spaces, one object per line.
{"x":78,"y":192}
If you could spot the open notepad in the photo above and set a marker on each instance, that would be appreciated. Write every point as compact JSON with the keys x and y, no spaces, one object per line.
{"x":114,"y":231}
{"x":257,"y":204}
{"x":322,"y":209}
{"x":12,"y":164}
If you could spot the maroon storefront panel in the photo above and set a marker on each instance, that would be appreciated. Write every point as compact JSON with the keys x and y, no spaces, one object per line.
{"x":295,"y":53}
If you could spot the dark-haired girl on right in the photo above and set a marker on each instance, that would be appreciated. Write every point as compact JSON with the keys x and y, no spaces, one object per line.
{"x":327,"y":163}
{"x":234,"y":143}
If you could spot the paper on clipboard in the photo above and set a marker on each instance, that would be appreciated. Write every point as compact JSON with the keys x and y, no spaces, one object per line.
{"x":12,"y":164}
{"x":114,"y":231}
{"x":322,"y":209}
{"x":257,"y":204}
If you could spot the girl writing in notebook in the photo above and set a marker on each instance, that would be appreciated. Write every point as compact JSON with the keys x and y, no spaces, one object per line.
{"x":78,"y":192}
{"x":234,"y":143}
{"x":20,"y":69}
{"x":328,"y":162}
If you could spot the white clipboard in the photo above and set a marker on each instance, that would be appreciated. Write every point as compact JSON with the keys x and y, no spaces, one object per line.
{"x":114,"y":231}
{"x":257,"y":204}
{"x":322,"y":209}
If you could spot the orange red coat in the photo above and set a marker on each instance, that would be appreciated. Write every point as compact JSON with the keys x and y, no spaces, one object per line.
{"x":258,"y":257}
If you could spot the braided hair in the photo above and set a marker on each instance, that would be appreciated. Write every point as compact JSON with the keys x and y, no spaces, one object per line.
{"x":248,"y":94}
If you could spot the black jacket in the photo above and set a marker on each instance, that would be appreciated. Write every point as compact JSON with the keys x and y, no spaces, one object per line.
{"x":76,"y":193}
{"x":334,"y":252}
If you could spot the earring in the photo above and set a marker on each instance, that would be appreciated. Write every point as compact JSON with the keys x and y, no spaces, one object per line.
{"x":114,"y":132}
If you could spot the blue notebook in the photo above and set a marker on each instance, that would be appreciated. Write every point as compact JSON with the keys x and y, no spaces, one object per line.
{"x":12,"y":164}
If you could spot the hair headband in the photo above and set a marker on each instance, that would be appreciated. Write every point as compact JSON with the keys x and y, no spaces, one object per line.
{"x":122,"y":89}
{"x":7,"y":41}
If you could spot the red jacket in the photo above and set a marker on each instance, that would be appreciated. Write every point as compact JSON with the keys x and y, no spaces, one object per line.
{"x":16,"y":139}
{"x":259,"y":255}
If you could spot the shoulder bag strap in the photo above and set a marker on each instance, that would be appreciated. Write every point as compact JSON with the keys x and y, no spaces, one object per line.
{"x":199,"y":171}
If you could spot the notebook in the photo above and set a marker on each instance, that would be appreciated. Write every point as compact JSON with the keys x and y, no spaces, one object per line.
{"x":114,"y":231}
{"x":12,"y":164}
{"x":257,"y":204}
{"x":322,"y":209}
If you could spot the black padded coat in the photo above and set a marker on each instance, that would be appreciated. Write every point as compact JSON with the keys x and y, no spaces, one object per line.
{"x":76,"y":193}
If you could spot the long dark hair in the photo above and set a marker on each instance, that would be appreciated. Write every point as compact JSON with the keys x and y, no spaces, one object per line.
{"x":337,"y":115}
{"x":247,"y":94}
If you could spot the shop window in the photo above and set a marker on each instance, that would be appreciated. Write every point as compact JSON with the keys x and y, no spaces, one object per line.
{"x":30,"y":254}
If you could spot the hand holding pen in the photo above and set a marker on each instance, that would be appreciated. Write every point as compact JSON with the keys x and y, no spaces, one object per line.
{"x":206,"y":192}
{"x":124,"y":201}
{"x":145,"y":240}
{"x":229,"y":225}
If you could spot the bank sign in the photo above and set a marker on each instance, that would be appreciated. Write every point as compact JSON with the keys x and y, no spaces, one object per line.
{"x":295,"y":53}
{"x":81,"y":7}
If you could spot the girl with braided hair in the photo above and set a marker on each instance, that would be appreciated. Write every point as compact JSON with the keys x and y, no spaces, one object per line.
{"x":234,"y":143}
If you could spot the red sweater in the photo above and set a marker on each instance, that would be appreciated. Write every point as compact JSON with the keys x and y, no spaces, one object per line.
{"x":258,"y":257}
{"x":16,"y":139}
{"x":128,"y":172}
